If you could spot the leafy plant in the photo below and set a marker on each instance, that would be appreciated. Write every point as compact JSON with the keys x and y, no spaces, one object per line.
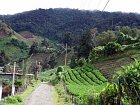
{"x":13,"y":99}
{"x":112,"y":48}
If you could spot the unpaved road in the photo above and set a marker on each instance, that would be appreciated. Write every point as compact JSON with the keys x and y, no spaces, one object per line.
{"x":41,"y":96}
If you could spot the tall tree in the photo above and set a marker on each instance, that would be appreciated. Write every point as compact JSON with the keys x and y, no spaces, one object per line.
{"x":67,"y":39}
{"x":85,"y":45}
{"x":52,"y":61}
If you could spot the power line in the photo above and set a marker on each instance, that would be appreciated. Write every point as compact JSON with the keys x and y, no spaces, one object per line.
{"x":106,"y":5}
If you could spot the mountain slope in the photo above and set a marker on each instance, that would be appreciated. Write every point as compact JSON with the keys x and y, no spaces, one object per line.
{"x":12,"y":45}
{"x":54,"y":23}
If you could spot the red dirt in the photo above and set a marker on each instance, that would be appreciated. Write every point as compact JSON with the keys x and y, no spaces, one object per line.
{"x":27,"y":35}
{"x":2,"y":33}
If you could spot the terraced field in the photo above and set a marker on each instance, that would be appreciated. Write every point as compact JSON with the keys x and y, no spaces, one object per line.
{"x":111,"y":65}
{"x":81,"y":81}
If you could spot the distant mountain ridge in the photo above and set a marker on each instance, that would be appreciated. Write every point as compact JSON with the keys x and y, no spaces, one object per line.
{"x":54,"y":23}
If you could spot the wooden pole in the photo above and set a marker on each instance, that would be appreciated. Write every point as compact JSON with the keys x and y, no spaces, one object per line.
{"x":66,"y":55}
{"x":13,"y":86}
{"x":0,"y":90}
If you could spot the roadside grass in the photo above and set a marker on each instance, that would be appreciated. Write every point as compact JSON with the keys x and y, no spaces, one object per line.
{"x":25,"y":94}
{"x":30,"y":89}
{"x":60,"y":96}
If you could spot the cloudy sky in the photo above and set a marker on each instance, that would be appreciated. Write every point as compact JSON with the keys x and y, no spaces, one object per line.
{"x":16,"y":6}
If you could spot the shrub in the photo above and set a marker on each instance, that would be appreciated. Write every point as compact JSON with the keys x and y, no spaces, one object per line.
{"x":96,"y":53}
{"x":137,"y":45}
{"x":14,"y":99}
{"x":59,"y":69}
{"x":18,"y":82}
{"x":112,"y":48}
{"x":18,"y":98}
{"x":81,"y":61}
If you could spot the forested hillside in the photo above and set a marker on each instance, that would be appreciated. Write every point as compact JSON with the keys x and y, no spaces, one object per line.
{"x":54,"y":23}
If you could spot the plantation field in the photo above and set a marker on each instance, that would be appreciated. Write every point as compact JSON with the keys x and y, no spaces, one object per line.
{"x":81,"y":81}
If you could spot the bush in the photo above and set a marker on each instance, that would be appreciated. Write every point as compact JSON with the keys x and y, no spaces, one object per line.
{"x":18,"y":82}
{"x":112,"y":48}
{"x":11,"y":100}
{"x":59,"y":69}
{"x":96,"y":53}
{"x":19,"y":99}
{"x":137,"y":45}
{"x":81,"y":61}
{"x":14,"y":99}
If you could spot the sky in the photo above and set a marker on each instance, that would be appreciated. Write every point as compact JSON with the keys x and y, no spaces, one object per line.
{"x":17,"y":6}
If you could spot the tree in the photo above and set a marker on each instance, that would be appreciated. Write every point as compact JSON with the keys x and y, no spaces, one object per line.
{"x":73,"y":62}
{"x":105,"y":37}
{"x":33,"y":48}
{"x":67,"y":39}
{"x":85,"y":45}
{"x":44,"y":43}
{"x":52,"y":61}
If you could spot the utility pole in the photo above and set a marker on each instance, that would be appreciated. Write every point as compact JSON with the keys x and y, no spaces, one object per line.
{"x":0,"y":89}
{"x":13,"y":86}
{"x":36,"y":71}
{"x":66,"y":55}
{"x":24,"y":72}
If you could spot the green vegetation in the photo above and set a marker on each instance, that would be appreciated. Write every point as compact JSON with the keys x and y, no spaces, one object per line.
{"x":125,"y":87}
{"x":106,"y":46}
{"x":60,"y":96}
{"x":30,"y":89}
{"x":112,"y":48}
{"x":47,"y":75}
{"x":13,"y":52}
{"x":13,"y":100}
{"x":53,"y":23}
{"x":84,"y":81}
{"x":19,"y":99}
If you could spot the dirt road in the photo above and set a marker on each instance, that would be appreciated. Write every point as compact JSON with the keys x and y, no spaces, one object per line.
{"x":41,"y":96}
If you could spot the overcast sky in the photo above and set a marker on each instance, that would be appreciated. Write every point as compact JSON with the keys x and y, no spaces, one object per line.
{"x":16,"y":6}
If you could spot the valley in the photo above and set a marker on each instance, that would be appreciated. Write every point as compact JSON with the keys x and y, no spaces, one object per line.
{"x":70,"y":57}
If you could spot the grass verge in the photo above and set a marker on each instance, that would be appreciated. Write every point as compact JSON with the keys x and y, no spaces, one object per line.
{"x":23,"y":95}
{"x":59,"y":95}
{"x":29,"y":90}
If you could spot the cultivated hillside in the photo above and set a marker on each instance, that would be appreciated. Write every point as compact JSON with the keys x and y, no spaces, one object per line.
{"x":13,"y":46}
